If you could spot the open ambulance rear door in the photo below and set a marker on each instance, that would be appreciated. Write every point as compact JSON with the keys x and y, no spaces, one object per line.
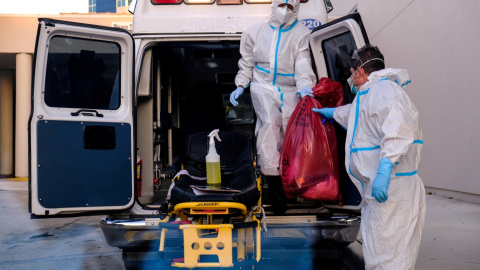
{"x":81,"y":128}
{"x":332,"y":46}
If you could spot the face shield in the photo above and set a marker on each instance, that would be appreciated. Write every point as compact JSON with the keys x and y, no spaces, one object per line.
{"x":356,"y":58}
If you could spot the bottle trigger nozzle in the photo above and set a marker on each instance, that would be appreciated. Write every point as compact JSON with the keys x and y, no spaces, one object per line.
{"x":214,"y":134}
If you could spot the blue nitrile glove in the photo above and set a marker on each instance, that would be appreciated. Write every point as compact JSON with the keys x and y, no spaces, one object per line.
{"x":382,"y":180}
{"x":306,"y":91}
{"x":235,"y":95}
{"x":327,"y":113}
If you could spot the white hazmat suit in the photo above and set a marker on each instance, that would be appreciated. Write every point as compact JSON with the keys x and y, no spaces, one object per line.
{"x":382,"y":122}
{"x":276,"y":63}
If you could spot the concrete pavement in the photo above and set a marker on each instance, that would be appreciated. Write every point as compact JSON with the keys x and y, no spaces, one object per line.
{"x":451,"y":235}
{"x":450,"y":240}
{"x":65,"y":243}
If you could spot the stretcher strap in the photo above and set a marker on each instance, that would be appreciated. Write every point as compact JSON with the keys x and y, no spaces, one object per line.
{"x":182,"y":172}
{"x":185,"y":172}
{"x":263,"y":219}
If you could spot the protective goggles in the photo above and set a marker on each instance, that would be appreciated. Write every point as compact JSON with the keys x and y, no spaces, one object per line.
{"x":289,"y":7}
{"x":356,"y":69}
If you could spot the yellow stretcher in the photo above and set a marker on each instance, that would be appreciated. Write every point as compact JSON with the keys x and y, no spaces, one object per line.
{"x":216,"y":239}
{"x":218,"y":233}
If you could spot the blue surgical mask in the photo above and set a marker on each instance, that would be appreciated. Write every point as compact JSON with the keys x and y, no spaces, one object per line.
{"x":351,"y":82}
{"x":352,"y":86}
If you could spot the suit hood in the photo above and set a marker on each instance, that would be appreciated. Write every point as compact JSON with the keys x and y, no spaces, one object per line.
{"x":296,"y":9}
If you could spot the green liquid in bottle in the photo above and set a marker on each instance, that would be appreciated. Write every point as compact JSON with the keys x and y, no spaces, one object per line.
{"x":213,"y":174}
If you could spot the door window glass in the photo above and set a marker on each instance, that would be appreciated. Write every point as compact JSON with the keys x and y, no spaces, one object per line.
{"x":338,"y":51}
{"x":82,"y":73}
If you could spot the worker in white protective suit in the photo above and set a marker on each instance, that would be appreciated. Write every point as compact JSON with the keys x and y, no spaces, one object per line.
{"x":382,"y":151}
{"x":276,"y":65}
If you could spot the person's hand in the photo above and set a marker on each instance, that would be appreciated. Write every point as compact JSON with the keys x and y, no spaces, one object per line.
{"x":327,"y":113}
{"x":382,"y":181}
{"x":380,"y":188}
{"x":306,"y":91}
{"x":235,"y":95}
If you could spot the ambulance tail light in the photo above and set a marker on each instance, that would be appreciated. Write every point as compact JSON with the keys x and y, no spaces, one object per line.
{"x":199,"y":1}
{"x":258,"y":1}
{"x":166,"y":2}
{"x":229,"y":2}
{"x":266,"y":1}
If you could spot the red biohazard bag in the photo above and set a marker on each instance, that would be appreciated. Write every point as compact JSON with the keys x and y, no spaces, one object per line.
{"x":329,"y":93}
{"x":309,"y":158}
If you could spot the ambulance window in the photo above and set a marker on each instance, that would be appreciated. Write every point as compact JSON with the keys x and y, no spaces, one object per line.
{"x":82,"y":73}
{"x":338,"y":51}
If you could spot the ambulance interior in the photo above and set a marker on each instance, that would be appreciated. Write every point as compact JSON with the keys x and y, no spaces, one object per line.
{"x":184,"y":88}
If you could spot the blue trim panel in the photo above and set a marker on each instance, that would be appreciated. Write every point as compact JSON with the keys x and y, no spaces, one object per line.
{"x":268,"y":71}
{"x":406,"y":173}
{"x":291,"y":26}
{"x":262,"y":69}
{"x":281,"y":96}
{"x":286,"y":29}
{"x":286,"y":74}
{"x":280,"y":30}
{"x":71,"y":176}
{"x":418,"y":141}
{"x":271,"y":26}
{"x":409,"y":81}
{"x":354,"y":150}
{"x":357,"y":109}
{"x":276,"y":56}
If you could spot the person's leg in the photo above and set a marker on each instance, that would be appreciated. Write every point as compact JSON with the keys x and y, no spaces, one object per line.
{"x":290,"y":102}
{"x":391,"y":231}
{"x":278,"y":199}
{"x":269,"y":123}
{"x":268,"y":132}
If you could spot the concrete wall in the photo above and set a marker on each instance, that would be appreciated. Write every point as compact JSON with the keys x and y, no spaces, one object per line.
{"x":17,"y":46}
{"x":21,"y":30}
{"x":437,"y":42}
{"x":341,"y":8}
{"x":6,"y":122}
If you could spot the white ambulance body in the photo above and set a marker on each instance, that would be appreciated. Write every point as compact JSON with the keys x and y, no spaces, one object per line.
{"x":169,"y":78}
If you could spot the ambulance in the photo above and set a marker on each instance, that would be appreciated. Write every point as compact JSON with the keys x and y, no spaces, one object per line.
{"x":114,"y":112}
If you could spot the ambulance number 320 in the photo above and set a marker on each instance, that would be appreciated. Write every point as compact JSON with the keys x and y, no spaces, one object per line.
{"x":311,"y":23}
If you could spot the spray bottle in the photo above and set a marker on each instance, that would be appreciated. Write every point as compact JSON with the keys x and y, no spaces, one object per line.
{"x":213,"y":161}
